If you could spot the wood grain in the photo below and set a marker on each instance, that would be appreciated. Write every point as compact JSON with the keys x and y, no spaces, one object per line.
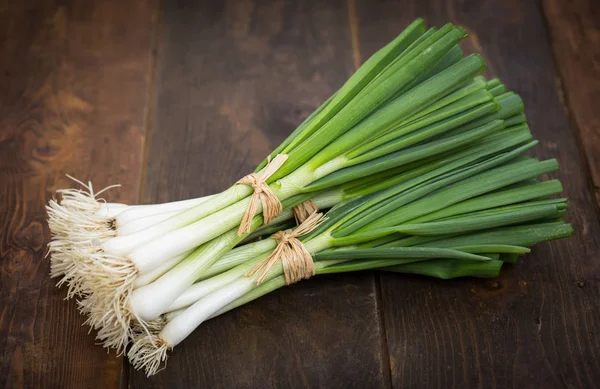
{"x":234,"y":78}
{"x":73,"y":95}
{"x":536,"y":325}
{"x":575,"y":36}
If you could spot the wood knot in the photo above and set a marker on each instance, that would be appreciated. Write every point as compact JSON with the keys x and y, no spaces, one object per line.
{"x":16,"y":261}
{"x":31,"y":237}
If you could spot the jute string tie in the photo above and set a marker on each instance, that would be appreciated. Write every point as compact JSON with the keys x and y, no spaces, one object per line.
{"x":303,"y":210}
{"x":271,"y":206}
{"x":296,"y":261}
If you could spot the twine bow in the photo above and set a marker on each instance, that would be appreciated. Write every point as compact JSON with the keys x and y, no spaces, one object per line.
{"x":296,"y":260}
{"x":270,"y":203}
{"x":303,"y":210}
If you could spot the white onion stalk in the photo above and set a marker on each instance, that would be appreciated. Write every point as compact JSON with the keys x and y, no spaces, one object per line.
{"x":205,"y":287}
{"x":238,"y":256}
{"x":135,"y":212}
{"x":150,"y":351}
{"x":147,"y":278}
{"x":108,"y":210}
{"x":141,"y":223}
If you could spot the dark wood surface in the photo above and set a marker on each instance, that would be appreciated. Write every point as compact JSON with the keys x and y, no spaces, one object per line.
{"x":575,"y":36}
{"x":533,"y":327}
{"x":179,"y":98}
{"x":74,"y":85}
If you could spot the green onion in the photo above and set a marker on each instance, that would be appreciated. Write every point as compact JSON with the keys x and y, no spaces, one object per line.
{"x":418,"y":159}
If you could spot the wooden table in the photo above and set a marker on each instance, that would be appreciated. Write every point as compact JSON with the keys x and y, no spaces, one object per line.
{"x":178,"y":99}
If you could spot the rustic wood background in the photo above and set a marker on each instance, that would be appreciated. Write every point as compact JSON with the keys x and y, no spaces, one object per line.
{"x":178,"y":98}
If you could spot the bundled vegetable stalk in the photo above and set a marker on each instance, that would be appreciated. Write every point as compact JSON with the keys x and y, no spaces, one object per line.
{"x":419,"y":158}
{"x":432,"y":227}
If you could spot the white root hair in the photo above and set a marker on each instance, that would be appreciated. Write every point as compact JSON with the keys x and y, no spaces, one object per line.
{"x":75,"y":229}
{"x":100,"y":280}
{"x":153,"y":327}
{"x":107,"y":304}
{"x":148,"y":352}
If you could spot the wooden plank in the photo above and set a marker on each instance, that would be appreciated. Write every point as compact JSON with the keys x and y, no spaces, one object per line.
{"x":574,"y":28}
{"x":73,"y":96}
{"x":537,"y":325}
{"x":233,"y":80}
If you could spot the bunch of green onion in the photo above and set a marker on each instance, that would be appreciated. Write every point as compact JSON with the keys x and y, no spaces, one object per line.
{"x":419,"y":159}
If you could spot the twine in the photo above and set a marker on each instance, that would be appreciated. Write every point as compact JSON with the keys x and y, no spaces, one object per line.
{"x":296,"y":260}
{"x":303,"y":210}
{"x":271,"y":205}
